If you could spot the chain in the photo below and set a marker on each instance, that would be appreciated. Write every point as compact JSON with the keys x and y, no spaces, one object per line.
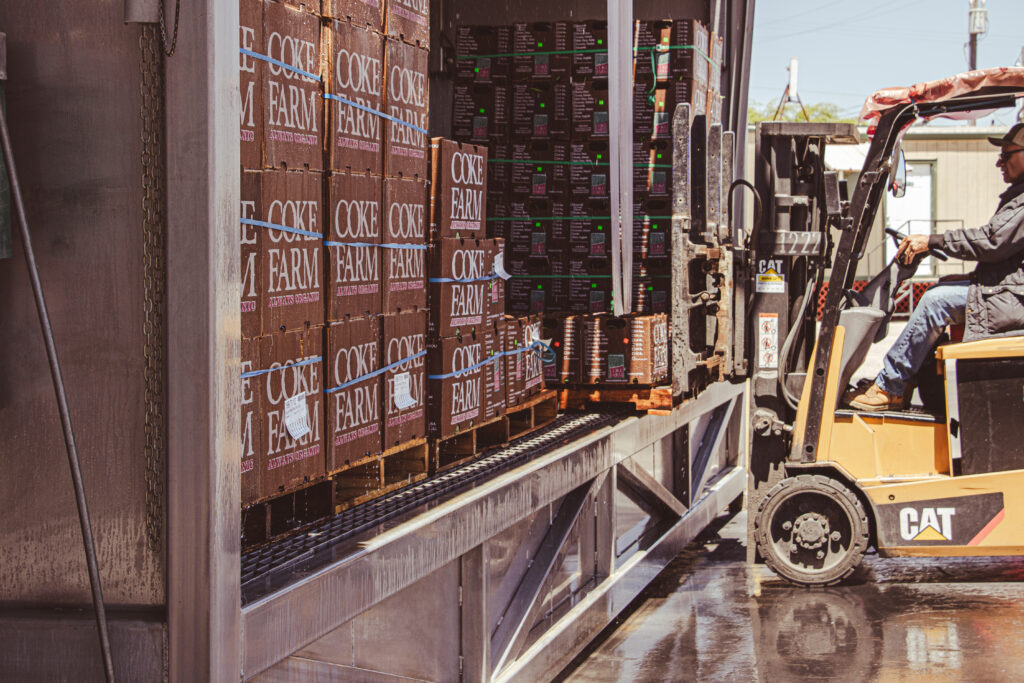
{"x":153,"y":254}
{"x":169,"y":51}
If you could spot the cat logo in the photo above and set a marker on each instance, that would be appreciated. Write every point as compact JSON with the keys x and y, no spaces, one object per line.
{"x":931,"y":524}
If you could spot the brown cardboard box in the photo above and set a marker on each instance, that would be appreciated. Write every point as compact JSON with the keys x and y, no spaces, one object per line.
{"x":474,"y":50}
{"x":590,"y":44}
{"x":670,"y":49}
{"x":458,"y":369}
{"x":369,"y":13}
{"x":590,"y":105}
{"x":357,"y":74}
{"x":251,"y":242}
{"x":533,"y":44}
{"x":353,"y":405}
{"x":291,"y":275}
{"x":409,"y":21}
{"x":533,"y":359}
{"x":458,"y":189}
{"x":714,"y":108}
{"x":405,"y":225}
{"x":250,"y":77}
{"x":404,"y":336}
{"x":499,"y":171}
{"x":405,"y":98}
{"x":652,"y":289}
{"x":652,"y":240}
{"x":538,"y":233}
{"x":590,"y":231}
{"x":538,"y":295}
{"x":293,"y":104}
{"x":354,"y":273}
{"x":717,"y":53}
{"x":648,"y":363}
{"x":496,"y":402}
{"x":590,"y":170}
{"x":590,"y":294}
{"x":497,"y":209}
{"x":541,"y":110}
{"x":566,"y":336}
{"x":294,"y":361}
{"x":653,"y":109}
{"x":515,"y":365}
{"x":541,"y":168}
{"x":308,"y":6}
{"x":630,"y":350}
{"x":495,"y":293}
{"x":481,"y":111}
{"x":252,"y":429}
{"x":652,"y":169}
{"x":460,"y":285}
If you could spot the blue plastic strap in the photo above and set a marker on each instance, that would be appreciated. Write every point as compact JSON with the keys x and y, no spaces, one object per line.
{"x":271,"y":60}
{"x":371,"y":375}
{"x":469,"y":369}
{"x":308,"y":361}
{"x":282,"y":228}
{"x":331,"y":243}
{"x":464,"y":282}
{"x":371,"y":110}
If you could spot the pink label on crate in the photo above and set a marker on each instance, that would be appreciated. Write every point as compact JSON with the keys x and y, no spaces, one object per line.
{"x":248,"y":136}
{"x":248,"y":306}
{"x":466,"y":320}
{"x":601,"y":128}
{"x":288,"y":136}
{"x":540,"y":129}
{"x":348,"y":437}
{"x":248,"y":465}
{"x":363,"y":145}
{"x":462,"y":417}
{"x":407,"y":417}
{"x":295,"y":456}
{"x":292,"y":299}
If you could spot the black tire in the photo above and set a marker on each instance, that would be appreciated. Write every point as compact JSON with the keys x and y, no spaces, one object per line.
{"x":834,"y":536}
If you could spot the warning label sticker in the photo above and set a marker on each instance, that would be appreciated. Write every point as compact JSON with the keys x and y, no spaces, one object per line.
{"x":770,"y":279}
{"x":768,"y":340}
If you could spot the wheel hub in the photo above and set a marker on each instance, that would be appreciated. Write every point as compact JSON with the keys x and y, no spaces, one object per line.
{"x":810,"y":531}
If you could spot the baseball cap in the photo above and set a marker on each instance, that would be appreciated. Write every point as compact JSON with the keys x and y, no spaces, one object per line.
{"x":1014,"y":136}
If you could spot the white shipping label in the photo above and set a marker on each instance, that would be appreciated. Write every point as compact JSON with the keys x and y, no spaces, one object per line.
{"x":402,"y":395}
{"x":499,"y":266}
{"x":296,"y":417}
{"x":768,"y":340}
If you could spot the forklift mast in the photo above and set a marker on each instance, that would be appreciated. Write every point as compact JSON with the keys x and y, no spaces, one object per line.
{"x":791,"y":247}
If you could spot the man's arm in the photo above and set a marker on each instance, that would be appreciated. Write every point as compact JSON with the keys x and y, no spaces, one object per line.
{"x":997,"y":240}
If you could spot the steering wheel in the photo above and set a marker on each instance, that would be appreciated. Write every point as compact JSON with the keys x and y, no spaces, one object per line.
{"x":898,"y":237}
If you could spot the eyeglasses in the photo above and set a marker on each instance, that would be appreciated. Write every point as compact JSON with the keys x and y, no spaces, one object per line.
{"x":1005,"y":156}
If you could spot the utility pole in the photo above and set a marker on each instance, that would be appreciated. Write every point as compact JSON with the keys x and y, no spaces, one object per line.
{"x":977,"y":24}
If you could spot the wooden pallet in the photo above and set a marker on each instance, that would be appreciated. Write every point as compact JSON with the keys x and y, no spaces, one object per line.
{"x":396,"y":467}
{"x":364,"y":480}
{"x":533,"y":413}
{"x":656,"y":400}
{"x":286,"y":513}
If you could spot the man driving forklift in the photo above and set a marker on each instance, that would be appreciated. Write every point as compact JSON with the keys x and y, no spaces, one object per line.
{"x":990,"y":303}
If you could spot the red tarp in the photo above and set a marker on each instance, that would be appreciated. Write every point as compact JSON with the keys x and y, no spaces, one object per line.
{"x":944,"y":89}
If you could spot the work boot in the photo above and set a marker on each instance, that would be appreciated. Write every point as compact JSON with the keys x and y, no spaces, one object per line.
{"x":872,"y":399}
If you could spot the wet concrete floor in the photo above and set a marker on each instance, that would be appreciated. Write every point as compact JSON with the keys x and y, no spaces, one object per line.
{"x":712,"y":617}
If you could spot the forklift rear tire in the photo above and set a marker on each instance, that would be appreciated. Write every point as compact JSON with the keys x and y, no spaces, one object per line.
{"x":811,"y":530}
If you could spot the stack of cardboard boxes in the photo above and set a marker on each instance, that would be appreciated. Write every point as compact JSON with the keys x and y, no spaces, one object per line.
{"x":333,"y":237}
{"x":466,"y":337}
{"x":537,"y":95}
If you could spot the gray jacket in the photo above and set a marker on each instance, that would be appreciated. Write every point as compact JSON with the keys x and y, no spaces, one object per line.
{"x":995,"y":300}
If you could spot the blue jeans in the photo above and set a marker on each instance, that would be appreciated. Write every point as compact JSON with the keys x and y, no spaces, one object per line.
{"x":943,"y":304}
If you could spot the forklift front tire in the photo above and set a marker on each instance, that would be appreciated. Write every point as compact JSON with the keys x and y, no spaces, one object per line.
{"x":811,"y":530}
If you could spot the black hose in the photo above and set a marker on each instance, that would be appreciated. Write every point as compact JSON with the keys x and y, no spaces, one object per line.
{"x":62,"y":402}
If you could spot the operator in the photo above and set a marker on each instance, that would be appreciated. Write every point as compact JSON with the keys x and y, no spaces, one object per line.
{"x":990,"y":303}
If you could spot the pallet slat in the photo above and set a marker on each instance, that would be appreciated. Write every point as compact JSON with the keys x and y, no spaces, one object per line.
{"x":643,"y":398}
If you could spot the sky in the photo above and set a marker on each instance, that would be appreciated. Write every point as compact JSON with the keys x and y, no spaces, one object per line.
{"x":849,"y":48}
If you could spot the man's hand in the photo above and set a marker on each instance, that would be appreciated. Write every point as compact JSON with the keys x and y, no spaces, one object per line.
{"x":911,"y":246}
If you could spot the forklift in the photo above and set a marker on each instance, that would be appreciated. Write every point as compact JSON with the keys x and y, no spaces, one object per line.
{"x":937,"y":479}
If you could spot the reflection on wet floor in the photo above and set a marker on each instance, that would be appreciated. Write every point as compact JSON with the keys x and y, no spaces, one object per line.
{"x":712,"y":617}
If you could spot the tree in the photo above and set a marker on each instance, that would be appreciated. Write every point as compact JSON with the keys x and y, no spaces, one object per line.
{"x":821,"y":111}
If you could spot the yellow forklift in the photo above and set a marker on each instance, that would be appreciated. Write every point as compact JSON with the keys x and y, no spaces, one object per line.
{"x":827,"y":483}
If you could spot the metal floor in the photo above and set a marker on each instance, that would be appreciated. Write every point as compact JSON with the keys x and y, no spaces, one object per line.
{"x":711,"y":617}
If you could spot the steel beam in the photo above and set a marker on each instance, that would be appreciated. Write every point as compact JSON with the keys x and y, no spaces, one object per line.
{"x":556,"y":648}
{"x":203,"y":366}
{"x":650,"y":489}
